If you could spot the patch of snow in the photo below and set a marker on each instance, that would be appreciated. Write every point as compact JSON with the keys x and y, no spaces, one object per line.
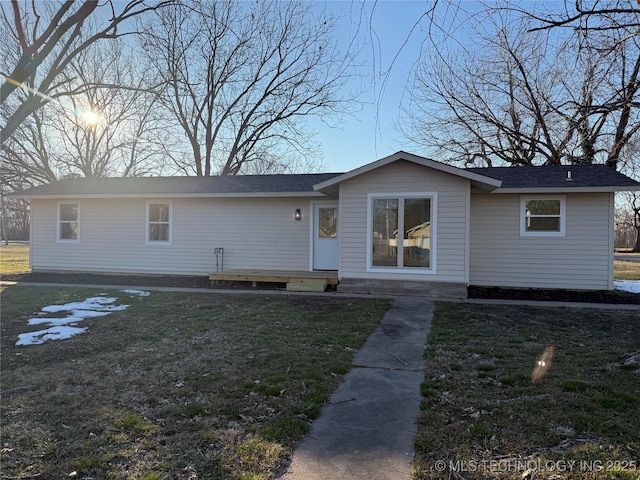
{"x":54,"y":333}
{"x":140,"y":293}
{"x":75,"y":317}
{"x":632,"y":286}
{"x":91,"y":303}
{"x":64,"y":327}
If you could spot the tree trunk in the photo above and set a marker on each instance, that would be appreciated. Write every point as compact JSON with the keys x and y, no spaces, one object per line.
{"x":636,"y":247}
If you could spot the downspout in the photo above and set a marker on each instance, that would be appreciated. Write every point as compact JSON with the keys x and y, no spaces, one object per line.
{"x":611,"y":237}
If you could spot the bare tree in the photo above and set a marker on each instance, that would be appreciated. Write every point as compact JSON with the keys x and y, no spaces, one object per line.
{"x":609,"y":27}
{"x":525,"y":97}
{"x":115,"y":125}
{"x":40,"y":39}
{"x":242,"y":78}
{"x":107,"y":128}
{"x":586,"y":18}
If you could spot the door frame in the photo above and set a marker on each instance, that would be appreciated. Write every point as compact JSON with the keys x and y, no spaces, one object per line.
{"x":312,"y":230}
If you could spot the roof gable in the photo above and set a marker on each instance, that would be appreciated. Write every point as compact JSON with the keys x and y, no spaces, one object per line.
{"x":478,"y":180}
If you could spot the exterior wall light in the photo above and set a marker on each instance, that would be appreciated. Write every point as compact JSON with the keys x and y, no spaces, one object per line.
{"x":298,"y":215}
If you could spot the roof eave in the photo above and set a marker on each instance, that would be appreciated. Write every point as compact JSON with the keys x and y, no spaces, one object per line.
{"x":64,"y":196}
{"x":599,"y":189}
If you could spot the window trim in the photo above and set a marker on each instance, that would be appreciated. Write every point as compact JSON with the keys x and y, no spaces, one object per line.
{"x":433,"y":196}
{"x":146,"y":223}
{"x":542,"y":233}
{"x":59,"y":221}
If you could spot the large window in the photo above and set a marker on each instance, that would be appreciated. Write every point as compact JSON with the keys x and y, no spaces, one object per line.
{"x":401,"y":234}
{"x":158,"y":223}
{"x":68,"y":222}
{"x":542,"y":216}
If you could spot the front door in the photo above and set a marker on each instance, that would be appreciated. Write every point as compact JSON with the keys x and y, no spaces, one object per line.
{"x":325,"y":236}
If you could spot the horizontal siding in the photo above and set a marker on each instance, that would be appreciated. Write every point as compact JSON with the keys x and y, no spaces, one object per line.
{"x":256,"y":234}
{"x":579,"y":260}
{"x":400,"y":177}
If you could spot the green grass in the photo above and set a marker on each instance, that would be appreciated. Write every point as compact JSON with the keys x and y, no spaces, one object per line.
{"x":14,"y":258}
{"x":487,"y":419}
{"x":222,"y":386}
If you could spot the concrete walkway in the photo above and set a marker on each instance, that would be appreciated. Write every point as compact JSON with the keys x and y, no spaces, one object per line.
{"x":367,"y":428}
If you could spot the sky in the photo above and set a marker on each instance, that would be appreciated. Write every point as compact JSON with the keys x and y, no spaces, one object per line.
{"x":371,"y":133}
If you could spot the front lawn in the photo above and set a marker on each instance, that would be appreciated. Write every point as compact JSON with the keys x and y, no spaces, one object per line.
{"x":177,"y":386}
{"x":537,"y":393}
{"x":626,"y":270}
{"x":14,"y":258}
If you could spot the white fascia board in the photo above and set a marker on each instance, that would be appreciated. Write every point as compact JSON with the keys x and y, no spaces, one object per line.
{"x":605,"y":189}
{"x":174,"y":195}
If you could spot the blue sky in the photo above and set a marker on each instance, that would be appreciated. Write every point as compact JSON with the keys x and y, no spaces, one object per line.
{"x":370,"y":133}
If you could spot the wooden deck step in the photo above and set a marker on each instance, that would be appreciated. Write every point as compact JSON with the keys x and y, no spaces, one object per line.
{"x":307,"y":285}
{"x":280,"y":276}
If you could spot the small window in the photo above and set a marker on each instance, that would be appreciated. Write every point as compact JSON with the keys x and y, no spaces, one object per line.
{"x":328,"y":222}
{"x":542,"y":216}
{"x":158,"y":223}
{"x":69,"y":222}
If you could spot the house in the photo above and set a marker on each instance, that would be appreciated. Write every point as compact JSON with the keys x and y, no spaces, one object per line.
{"x":402,"y":224}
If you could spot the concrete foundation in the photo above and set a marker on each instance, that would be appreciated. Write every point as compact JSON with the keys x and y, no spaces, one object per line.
{"x":402,"y":287}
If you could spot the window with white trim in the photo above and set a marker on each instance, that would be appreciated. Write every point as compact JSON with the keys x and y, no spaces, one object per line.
{"x":68,"y":222}
{"x":158,"y":229}
{"x":401,"y":232}
{"x":542,"y":216}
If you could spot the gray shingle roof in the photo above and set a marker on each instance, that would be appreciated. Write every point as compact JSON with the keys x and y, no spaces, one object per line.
{"x":584,"y":176}
{"x":219,"y":185}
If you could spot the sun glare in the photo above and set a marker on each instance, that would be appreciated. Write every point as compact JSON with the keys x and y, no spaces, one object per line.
{"x":543,"y":364}
{"x":91,"y":118}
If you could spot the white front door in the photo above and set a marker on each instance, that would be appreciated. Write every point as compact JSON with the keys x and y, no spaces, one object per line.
{"x":325,"y":236}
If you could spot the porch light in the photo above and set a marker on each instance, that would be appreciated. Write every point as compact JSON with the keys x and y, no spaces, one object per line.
{"x":297,"y":215}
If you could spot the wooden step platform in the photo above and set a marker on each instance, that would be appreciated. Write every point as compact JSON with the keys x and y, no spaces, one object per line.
{"x":307,"y":285}
{"x":295,"y":280}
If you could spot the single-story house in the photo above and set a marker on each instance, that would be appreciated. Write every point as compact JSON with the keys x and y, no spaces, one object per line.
{"x":403,"y":223}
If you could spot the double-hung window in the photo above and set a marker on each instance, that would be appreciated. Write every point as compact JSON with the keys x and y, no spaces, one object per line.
{"x":401,"y":233}
{"x":68,"y":230}
{"x":542,"y":216}
{"x":158,"y":229}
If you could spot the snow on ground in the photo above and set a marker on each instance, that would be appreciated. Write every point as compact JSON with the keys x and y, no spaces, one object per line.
{"x":632,"y":286}
{"x":140,"y":293}
{"x":61,"y":328}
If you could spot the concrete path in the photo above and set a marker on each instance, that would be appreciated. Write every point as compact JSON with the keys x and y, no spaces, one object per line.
{"x":366,"y":430}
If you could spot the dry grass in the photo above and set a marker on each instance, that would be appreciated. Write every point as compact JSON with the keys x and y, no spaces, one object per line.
{"x":626,"y":270}
{"x":490,"y":411}
{"x":176,"y":386}
{"x":14,"y":258}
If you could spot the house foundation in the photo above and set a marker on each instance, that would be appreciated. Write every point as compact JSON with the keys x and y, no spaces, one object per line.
{"x":403,"y":287}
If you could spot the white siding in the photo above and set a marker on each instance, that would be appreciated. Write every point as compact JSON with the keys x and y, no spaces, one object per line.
{"x":256,"y":233}
{"x":579,"y":260}
{"x":451,"y":229}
